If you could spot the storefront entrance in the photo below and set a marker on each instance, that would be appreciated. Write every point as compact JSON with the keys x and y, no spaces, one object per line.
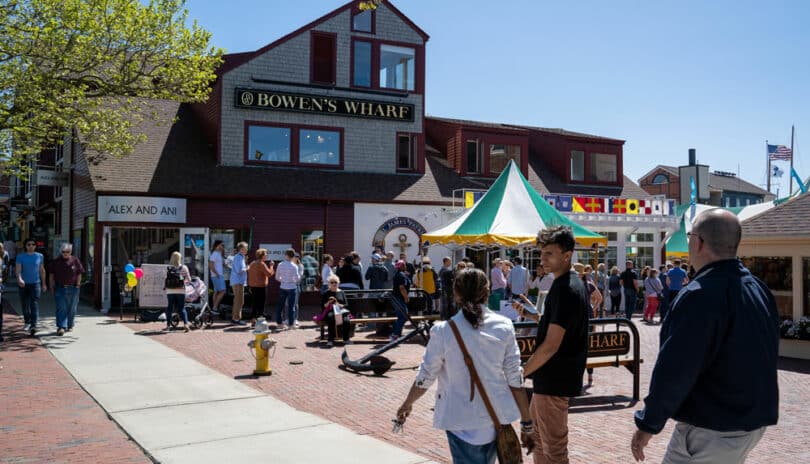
{"x":148,"y":245}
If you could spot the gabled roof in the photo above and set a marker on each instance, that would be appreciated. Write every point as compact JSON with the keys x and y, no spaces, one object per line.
{"x":522,"y":129}
{"x":717,"y":182}
{"x":789,"y":218}
{"x":234,"y":60}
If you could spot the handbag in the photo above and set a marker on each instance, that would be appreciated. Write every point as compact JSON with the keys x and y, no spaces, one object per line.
{"x":506,"y":440}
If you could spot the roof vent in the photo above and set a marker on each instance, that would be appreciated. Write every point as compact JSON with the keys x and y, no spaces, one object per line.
{"x":724,"y":174}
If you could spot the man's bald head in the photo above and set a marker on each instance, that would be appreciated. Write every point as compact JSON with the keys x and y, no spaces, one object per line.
{"x":720,"y":231}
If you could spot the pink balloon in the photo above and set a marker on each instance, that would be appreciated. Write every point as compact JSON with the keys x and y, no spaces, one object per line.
{"x":138,"y":273}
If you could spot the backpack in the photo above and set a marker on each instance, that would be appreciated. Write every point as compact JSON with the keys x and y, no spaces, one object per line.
{"x":615,"y":285}
{"x":173,"y":278}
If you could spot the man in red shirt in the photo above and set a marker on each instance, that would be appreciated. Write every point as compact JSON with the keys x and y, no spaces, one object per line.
{"x":66,"y":277}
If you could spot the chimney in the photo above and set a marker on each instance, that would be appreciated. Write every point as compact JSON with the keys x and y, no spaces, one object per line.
{"x":692,"y":156}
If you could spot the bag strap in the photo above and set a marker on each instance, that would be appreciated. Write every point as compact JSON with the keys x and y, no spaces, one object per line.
{"x":474,"y":379}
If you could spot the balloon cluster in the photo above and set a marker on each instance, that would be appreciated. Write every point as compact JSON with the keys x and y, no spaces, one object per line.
{"x":133,"y":276}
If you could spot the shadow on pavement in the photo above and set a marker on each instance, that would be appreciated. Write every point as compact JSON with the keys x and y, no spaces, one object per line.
{"x":799,"y":366}
{"x":583,"y":404}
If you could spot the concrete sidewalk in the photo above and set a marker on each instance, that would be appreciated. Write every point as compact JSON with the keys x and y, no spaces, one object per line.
{"x":181,"y":411}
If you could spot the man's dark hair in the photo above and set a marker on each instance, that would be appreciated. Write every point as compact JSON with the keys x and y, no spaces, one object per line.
{"x":217,"y":243}
{"x":518,"y":260}
{"x":29,"y":240}
{"x":676,"y":262}
{"x":560,"y":235}
{"x":290,"y":253}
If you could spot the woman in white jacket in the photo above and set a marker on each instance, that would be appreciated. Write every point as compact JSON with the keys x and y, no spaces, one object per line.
{"x":490,"y":340}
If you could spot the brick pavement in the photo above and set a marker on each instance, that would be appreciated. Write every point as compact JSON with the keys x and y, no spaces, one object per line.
{"x":600,"y":423}
{"x":45,"y":416}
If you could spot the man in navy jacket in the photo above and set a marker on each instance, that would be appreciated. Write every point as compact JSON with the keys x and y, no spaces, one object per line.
{"x":716,"y":368}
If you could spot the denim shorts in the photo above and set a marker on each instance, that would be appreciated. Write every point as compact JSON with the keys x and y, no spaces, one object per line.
{"x":219,"y":283}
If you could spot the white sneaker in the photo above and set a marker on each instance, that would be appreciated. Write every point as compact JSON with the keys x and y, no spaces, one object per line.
{"x":26,"y":327}
{"x":296,"y":325}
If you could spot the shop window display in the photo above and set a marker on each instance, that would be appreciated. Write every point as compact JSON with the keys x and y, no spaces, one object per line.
{"x":777,"y":273}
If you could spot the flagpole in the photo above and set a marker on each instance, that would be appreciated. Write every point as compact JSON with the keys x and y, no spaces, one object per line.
{"x":792,"y":133}
{"x":768,"y":174}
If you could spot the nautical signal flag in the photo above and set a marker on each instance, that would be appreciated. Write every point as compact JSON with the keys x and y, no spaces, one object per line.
{"x":552,"y":200}
{"x":618,"y":206}
{"x":632,"y":206}
{"x":564,"y":203}
{"x":471,"y":198}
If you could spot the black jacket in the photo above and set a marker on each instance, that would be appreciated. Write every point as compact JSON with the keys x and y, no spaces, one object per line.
{"x":350,"y":274}
{"x":716,"y":367}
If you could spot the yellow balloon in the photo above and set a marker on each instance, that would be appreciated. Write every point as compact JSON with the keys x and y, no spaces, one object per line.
{"x":127,"y":288}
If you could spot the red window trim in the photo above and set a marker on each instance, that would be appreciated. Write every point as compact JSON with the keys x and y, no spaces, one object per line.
{"x":416,"y":142}
{"x":419,"y":62}
{"x":356,"y":11}
{"x":333,"y":36}
{"x":295,"y":149}
{"x":589,"y":151}
{"x":487,"y":139}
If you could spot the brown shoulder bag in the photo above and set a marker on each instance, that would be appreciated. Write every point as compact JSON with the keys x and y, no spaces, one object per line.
{"x":506,"y":440}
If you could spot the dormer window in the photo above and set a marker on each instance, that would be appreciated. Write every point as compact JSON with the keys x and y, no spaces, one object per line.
{"x":660,"y":179}
{"x":593,"y":168}
{"x":363,"y":21}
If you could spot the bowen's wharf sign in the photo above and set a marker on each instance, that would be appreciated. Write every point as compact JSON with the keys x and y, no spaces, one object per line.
{"x":301,"y":103}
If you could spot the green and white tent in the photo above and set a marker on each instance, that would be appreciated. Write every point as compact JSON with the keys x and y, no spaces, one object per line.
{"x":509,"y":214}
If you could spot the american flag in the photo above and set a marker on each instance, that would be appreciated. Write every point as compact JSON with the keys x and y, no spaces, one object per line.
{"x":779,"y":153}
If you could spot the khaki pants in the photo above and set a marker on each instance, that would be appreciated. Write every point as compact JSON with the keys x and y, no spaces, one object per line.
{"x":697,"y":445}
{"x":238,"y":302}
{"x":550,"y":416}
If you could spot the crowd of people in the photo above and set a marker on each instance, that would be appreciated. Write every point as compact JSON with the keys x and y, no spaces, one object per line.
{"x":715,"y":373}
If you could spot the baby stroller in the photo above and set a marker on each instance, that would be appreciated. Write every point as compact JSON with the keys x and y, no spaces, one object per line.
{"x":199,"y":313}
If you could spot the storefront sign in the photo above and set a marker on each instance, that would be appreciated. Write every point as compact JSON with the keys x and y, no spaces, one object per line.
{"x":51,"y":178}
{"x":275,"y":251}
{"x":599,"y":344}
{"x":285,"y":101}
{"x":141,"y":209}
{"x":151,"y":293}
{"x":395,"y":223}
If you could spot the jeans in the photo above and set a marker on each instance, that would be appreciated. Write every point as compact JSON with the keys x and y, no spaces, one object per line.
{"x":64,"y":297}
{"x":630,"y":296}
{"x":29,"y":300}
{"x":401,"y":308}
{"x":466,"y":453}
{"x":286,"y":298}
{"x":74,"y":308}
{"x":176,"y":300}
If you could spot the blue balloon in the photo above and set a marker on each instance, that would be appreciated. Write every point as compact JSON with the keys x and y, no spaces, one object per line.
{"x":129,"y":268}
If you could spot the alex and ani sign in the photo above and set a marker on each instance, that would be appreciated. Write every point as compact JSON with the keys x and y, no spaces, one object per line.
{"x":285,"y":101}
{"x":141,"y":209}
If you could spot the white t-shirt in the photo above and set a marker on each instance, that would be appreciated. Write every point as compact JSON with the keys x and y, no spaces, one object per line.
{"x":216,"y":258}
{"x":326,"y":271}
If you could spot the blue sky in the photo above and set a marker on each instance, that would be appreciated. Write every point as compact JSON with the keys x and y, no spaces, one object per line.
{"x":721,"y":76}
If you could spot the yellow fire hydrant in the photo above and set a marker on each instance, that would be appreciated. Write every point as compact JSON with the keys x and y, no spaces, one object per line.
{"x":261,"y":345}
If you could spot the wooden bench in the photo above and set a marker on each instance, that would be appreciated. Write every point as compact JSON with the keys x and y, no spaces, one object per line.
{"x":363,"y":302}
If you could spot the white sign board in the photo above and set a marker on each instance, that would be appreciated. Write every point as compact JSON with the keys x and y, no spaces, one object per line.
{"x":51,"y":178}
{"x":141,"y":209}
{"x":150,"y":287}
{"x":275,"y":251}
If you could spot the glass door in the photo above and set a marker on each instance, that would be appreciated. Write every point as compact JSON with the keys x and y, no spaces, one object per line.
{"x":106,"y":270}
{"x":194,"y":249}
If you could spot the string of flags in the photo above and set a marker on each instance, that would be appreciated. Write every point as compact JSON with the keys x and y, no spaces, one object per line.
{"x":567,"y":203}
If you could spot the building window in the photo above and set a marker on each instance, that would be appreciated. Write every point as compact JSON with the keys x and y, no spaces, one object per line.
{"x":406,"y":152}
{"x":319,"y":147}
{"x":269,"y":144}
{"x":641,"y":256}
{"x":660,"y":179}
{"x":324,"y":53}
{"x":293,"y":145}
{"x":362,"y":64}
{"x":397,"y":67}
{"x":499,"y":156}
{"x":473,"y":157}
{"x":603,"y":167}
{"x":777,"y":273}
{"x":577,"y":165}
{"x":363,"y":21}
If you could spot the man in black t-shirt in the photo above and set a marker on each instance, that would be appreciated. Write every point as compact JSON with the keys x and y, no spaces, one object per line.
{"x":558,"y":362}
{"x":629,"y":280}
